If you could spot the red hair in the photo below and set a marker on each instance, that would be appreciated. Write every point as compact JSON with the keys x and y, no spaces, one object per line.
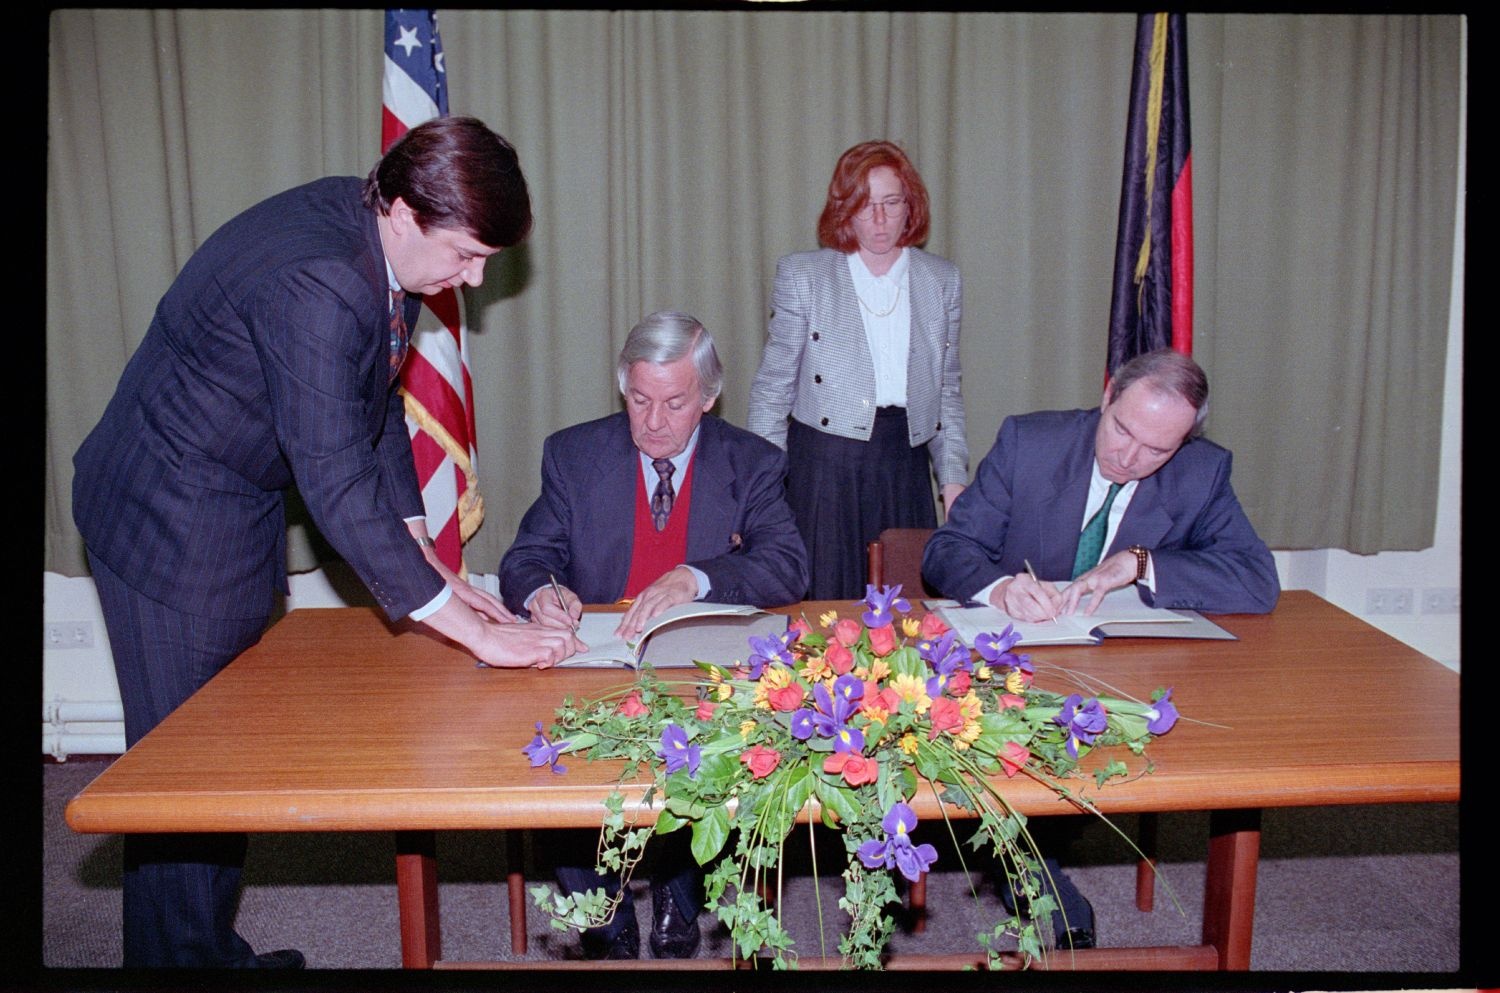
{"x":849,"y":190}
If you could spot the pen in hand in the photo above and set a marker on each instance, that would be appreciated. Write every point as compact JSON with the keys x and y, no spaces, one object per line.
{"x":557,"y":592}
{"x":1032,"y":573}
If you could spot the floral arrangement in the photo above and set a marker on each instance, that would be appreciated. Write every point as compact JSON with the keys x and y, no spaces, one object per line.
{"x":858,"y":715}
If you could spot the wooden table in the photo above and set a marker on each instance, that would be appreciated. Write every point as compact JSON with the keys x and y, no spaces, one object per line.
{"x":336,"y":723}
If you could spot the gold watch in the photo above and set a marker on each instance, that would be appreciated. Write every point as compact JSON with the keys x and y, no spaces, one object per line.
{"x":1142,"y":559}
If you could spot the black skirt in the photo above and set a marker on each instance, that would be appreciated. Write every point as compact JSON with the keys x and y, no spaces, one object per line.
{"x":845,"y":492}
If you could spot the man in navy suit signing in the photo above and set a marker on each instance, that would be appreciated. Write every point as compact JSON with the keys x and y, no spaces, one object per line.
{"x":1123,"y":495}
{"x":659,"y":505}
{"x":1129,"y":488}
{"x":272,"y":359}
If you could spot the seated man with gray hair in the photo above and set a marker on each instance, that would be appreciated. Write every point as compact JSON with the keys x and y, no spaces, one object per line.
{"x":658,"y":505}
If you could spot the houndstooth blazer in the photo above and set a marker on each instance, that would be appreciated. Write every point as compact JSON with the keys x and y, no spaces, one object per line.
{"x":817,"y":365}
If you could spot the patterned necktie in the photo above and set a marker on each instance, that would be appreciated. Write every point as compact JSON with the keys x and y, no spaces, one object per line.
{"x":1091,"y":542}
{"x":398,"y":332}
{"x":661,"y":500}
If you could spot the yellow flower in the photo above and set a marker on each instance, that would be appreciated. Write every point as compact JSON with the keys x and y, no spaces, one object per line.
{"x":982,"y":673}
{"x":1015,"y":682}
{"x":776,"y":676}
{"x":879,"y":669}
{"x":862,"y":671}
{"x":725,"y":691}
{"x":910,"y":627}
{"x":746,"y":727}
{"x":828,"y":619}
{"x":912,"y":690}
{"x":876,"y":714}
{"x":817,"y":668}
{"x":909,"y":743}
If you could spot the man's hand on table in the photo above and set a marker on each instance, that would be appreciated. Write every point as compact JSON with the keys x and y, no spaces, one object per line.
{"x":678,"y":585}
{"x":516,"y":646}
{"x":1111,"y":574}
{"x":1027,"y":599}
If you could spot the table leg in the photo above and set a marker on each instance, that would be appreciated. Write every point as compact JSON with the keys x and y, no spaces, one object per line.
{"x":417,"y":898}
{"x":1145,"y":866}
{"x":515,"y":883}
{"x":1229,"y":891}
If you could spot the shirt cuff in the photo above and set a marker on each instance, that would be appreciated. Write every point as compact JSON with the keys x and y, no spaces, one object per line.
{"x":703,"y":584}
{"x":1150,"y":579}
{"x":432,"y":606}
{"x":983,"y":596}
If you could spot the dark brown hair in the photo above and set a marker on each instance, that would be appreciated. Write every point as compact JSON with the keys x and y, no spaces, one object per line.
{"x":849,"y":190}
{"x":454,"y":172}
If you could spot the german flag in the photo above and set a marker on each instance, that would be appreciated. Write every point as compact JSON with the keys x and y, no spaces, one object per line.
{"x":1152,"y":303}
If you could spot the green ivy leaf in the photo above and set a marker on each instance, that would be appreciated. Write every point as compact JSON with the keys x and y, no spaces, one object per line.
{"x":709,"y":834}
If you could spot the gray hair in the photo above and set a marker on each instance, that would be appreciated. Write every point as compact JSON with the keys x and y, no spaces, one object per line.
{"x":1167,"y":372}
{"x":667,"y":336}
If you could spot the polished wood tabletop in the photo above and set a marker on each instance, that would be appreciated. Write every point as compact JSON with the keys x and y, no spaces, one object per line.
{"x":336,"y":721}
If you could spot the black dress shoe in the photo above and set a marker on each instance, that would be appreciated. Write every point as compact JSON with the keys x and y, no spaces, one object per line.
{"x":623,"y":942}
{"x":1075,"y":938}
{"x":673,"y":934}
{"x":286,"y":958}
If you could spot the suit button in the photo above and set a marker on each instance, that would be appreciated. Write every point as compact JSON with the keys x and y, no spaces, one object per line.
{"x":824,"y":422}
{"x":817,"y":379}
{"x":940,"y":426}
{"x":815,"y":336}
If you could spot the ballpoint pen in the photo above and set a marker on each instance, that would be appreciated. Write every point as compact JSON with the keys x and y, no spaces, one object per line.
{"x":557,"y":592}
{"x":1032,"y":573}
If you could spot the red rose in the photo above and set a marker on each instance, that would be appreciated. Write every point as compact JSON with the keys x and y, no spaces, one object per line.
{"x":958,"y":683}
{"x":854,"y":767}
{"x":846,"y":631}
{"x":1008,"y":701}
{"x":883,"y":640}
{"x":631,"y":706}
{"x":839,"y":658}
{"x":1013,"y":756}
{"x":799,"y":627}
{"x":785,"y":699}
{"x":761,"y":761}
{"x":932,"y":628}
{"x":945,"y":716}
{"x":705,"y":711}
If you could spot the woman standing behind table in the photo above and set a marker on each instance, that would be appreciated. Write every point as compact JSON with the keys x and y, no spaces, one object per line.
{"x":862,"y":351}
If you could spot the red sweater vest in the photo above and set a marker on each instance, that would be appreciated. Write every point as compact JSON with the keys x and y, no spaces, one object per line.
{"x":655,"y":552}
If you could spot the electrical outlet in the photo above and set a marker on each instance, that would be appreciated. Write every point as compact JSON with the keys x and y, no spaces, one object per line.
{"x":1388,"y":600}
{"x":1440,"y":600}
{"x":68,"y":634}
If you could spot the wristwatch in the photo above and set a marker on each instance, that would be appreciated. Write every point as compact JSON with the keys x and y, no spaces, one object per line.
{"x":427,"y":542}
{"x":1142,"y":559}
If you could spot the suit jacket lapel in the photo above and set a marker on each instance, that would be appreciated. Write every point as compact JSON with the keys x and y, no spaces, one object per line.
{"x":1146,"y":520}
{"x":616,"y":469}
{"x":1066,"y":501}
{"x":713,"y":493}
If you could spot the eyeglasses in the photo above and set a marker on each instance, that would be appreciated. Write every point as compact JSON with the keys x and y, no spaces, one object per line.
{"x":893,"y":207}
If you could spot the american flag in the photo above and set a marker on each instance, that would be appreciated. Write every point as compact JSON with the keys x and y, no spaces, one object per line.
{"x":435,"y":383}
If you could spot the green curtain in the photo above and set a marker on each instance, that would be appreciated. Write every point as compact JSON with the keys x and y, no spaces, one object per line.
{"x":673,"y":156}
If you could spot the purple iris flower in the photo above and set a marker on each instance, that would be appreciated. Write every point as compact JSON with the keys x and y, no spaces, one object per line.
{"x":543,"y":752}
{"x":946,"y":654}
{"x":802,"y":724}
{"x":896,"y":848}
{"x":994,"y":647}
{"x":677,"y":752}
{"x":770,"y":649}
{"x":1083,"y":720}
{"x":880,"y":605}
{"x":831,"y":719}
{"x":1163,"y":714}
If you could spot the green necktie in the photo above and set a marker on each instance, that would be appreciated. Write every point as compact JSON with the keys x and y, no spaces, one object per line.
{"x":1091,"y":542}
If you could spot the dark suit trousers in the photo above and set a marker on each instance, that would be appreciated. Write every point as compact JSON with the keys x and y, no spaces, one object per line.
{"x":180,"y":891}
{"x":676,"y":871}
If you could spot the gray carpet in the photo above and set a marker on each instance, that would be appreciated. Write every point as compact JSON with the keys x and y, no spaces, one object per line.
{"x":1351,"y":889}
